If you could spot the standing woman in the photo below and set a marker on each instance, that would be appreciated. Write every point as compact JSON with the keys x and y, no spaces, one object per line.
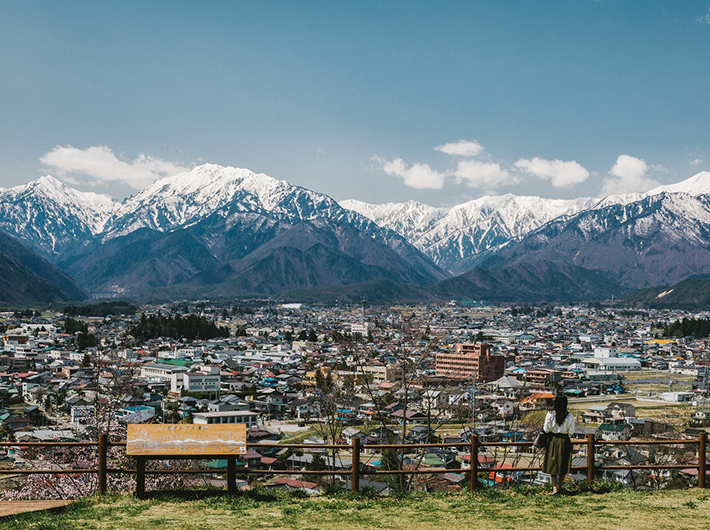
{"x":558,"y":457}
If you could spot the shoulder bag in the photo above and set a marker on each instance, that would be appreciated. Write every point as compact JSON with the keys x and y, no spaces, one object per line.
{"x":542,"y":439}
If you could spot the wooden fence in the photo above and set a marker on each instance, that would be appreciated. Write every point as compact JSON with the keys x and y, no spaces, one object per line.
{"x":355,"y":472}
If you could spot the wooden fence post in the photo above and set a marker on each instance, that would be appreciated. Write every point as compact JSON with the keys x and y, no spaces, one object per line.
{"x":140,"y":477}
{"x":474,"y":462}
{"x":702,"y":452}
{"x":232,"y":475}
{"x":103,"y":449}
{"x":590,"y":458}
{"x":356,"y":464}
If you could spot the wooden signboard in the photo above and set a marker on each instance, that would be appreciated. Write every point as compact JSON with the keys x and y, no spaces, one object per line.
{"x":186,"y":440}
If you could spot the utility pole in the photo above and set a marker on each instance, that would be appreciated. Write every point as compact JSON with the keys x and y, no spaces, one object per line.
{"x":707,"y":366}
{"x":472,"y":398}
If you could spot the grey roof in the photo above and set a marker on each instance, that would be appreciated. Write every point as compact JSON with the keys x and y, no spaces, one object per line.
{"x":507,"y":382}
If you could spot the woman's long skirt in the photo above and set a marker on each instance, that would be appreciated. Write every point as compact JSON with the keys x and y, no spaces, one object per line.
{"x":558,"y":456}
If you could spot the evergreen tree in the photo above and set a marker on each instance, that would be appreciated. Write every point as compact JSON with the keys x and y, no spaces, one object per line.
{"x":190,"y":327}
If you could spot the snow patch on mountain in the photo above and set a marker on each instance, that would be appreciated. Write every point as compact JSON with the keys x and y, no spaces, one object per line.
{"x":696,"y":185}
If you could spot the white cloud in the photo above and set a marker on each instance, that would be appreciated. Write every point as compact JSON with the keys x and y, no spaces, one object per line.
{"x":559,"y":172}
{"x":99,"y":163}
{"x":628,"y":175}
{"x":696,"y":161}
{"x":482,"y":172}
{"x":475,"y":173}
{"x":704,"y":19}
{"x":466,"y":148}
{"x":419,"y":176}
{"x":479,"y":174}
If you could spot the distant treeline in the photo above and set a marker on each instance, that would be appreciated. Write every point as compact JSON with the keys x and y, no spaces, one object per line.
{"x":190,"y":327}
{"x":101,"y":310}
{"x":26,"y":313}
{"x":538,"y":312}
{"x":688,"y":327}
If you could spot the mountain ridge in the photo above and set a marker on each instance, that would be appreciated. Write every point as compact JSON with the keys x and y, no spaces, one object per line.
{"x":219,"y":219}
{"x":27,"y":277}
{"x":219,"y":229}
{"x":456,"y":237}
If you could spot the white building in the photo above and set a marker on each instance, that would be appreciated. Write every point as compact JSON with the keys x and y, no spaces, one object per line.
{"x":76,"y":356}
{"x":179,"y":353}
{"x":231,"y":417}
{"x":363,"y":328}
{"x":604,"y":353}
{"x":677,"y":397}
{"x":611,"y":364}
{"x":161,"y":371}
{"x":686,"y":369}
{"x":207,"y":379}
{"x":27,"y":351}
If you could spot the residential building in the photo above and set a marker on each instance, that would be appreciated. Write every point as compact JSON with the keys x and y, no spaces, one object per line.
{"x":390,"y":373}
{"x":471,"y":362}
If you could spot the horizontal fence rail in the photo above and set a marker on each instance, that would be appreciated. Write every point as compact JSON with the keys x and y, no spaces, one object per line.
{"x":355,"y":473}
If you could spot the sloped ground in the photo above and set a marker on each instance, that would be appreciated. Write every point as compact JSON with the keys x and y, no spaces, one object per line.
{"x":530,"y":509}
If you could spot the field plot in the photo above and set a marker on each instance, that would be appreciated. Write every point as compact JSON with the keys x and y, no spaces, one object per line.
{"x":676,"y":414}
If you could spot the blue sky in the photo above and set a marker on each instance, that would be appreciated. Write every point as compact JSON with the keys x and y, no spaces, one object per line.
{"x":439,"y":102}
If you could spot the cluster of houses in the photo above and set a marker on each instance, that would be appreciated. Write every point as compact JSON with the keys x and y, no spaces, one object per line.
{"x":390,"y":360}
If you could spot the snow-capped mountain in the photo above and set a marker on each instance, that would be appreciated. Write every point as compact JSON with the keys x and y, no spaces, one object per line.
{"x":453,"y":237}
{"x":51,"y":216}
{"x":410,"y":219}
{"x":184,"y":199}
{"x":469,"y":229}
{"x":214,"y":225}
{"x":229,"y":231}
{"x":696,"y":185}
{"x":456,"y":238}
{"x":597,"y":253}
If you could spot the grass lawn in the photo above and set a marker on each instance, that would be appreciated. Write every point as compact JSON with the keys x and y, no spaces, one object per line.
{"x":489,"y":510}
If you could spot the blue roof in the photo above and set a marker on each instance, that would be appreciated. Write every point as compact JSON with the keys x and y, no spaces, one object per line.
{"x":137,"y":408}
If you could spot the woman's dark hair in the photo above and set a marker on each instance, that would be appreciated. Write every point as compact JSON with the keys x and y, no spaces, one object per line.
{"x":560,"y":406}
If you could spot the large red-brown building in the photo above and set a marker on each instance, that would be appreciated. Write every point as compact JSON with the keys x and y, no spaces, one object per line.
{"x":470,"y":362}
